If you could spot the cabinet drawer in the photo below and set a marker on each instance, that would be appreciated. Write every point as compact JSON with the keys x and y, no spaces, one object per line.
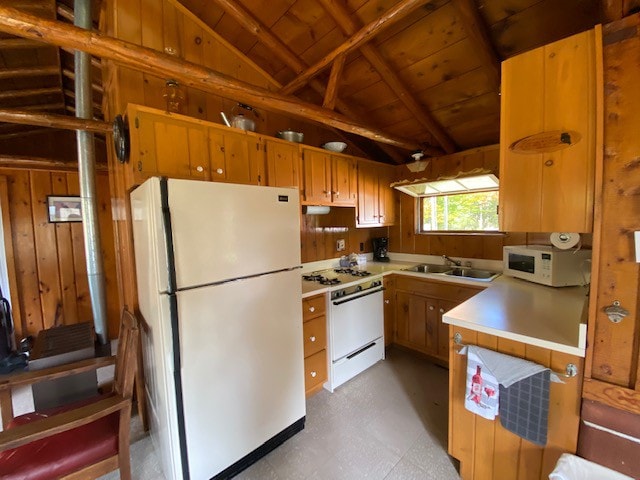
{"x":313,"y":306}
{"x":447,"y":291}
{"x":315,"y":335}
{"x":315,"y":370}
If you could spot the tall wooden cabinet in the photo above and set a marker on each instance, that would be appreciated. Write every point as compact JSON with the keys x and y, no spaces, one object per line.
{"x":547,"y":185}
{"x":376,"y":198}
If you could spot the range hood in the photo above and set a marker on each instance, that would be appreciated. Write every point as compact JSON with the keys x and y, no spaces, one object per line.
{"x":450,"y":186}
{"x":315,"y":209}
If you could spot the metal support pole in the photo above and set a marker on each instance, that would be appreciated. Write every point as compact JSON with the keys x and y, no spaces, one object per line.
{"x":86,"y":173}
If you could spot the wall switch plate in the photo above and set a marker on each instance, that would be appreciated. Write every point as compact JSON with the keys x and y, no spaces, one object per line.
{"x":637,"y":239}
{"x":340,"y":246}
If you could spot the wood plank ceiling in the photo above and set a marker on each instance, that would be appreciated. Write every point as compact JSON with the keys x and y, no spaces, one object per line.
{"x":430,"y":75}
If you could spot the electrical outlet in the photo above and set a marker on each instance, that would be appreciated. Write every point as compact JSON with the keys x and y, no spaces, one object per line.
{"x":340,"y":246}
{"x":362,"y":246}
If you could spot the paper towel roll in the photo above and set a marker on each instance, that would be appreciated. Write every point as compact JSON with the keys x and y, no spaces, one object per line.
{"x":564,"y":241}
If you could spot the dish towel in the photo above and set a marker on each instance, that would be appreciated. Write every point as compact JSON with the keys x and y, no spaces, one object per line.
{"x":523,"y":393}
{"x":481,"y":393}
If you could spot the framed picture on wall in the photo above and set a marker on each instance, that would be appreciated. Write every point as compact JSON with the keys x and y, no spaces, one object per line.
{"x":64,"y":208}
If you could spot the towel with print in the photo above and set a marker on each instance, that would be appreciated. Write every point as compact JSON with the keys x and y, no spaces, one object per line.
{"x":481,"y":395}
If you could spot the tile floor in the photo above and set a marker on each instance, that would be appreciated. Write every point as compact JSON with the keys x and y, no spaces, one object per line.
{"x":389,"y":422}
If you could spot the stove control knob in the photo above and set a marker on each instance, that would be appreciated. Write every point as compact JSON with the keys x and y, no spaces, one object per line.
{"x":376,"y":283}
{"x":358,"y":288}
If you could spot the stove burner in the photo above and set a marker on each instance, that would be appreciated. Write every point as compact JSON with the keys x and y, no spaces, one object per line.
{"x":314,"y":277}
{"x":329,"y":281}
{"x":351,"y":271}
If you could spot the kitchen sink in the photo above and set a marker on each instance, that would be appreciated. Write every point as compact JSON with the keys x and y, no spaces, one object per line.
{"x":429,"y":268}
{"x":475,"y":274}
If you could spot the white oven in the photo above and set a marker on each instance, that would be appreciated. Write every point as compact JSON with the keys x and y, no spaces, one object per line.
{"x":356,"y":330}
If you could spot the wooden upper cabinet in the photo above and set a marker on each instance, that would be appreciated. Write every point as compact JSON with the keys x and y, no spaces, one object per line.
{"x":329,"y":179}
{"x":551,"y":90}
{"x":376,"y":199}
{"x":344,"y":186}
{"x":316,"y":167}
{"x":166,"y":144}
{"x":235,"y":157}
{"x":283,"y":163}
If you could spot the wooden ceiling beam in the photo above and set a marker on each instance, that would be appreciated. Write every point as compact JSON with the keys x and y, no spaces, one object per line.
{"x":33,"y":92}
{"x":72,"y":76}
{"x":281,"y":50}
{"x":349,"y":26}
{"x":65,"y":12}
{"x":29,"y":72}
{"x":38,"y":163}
{"x":45,"y":106}
{"x":25,"y":117}
{"x":365,"y":34}
{"x":332,"y":87}
{"x":16,"y":43}
{"x":72,"y":95}
{"x":189,"y":74}
{"x":95,"y":62}
{"x":478,"y":33}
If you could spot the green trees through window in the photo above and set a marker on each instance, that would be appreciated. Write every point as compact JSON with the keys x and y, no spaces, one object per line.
{"x":460,"y":212}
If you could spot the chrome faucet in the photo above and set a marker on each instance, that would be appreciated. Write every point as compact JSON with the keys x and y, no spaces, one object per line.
{"x":457,"y":263}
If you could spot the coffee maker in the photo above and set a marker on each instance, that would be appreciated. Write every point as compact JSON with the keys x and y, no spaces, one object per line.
{"x":380,"y":248}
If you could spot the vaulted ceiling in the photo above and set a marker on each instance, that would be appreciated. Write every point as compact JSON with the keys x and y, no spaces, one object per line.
{"x":429,"y":74}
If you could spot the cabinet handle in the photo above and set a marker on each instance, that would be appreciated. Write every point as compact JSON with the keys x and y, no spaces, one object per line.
{"x":442,"y":310}
{"x":219,"y":171}
{"x":313,"y":374}
{"x":312,"y":309}
{"x":548,"y":163}
{"x":431,"y":307}
{"x":387,"y":302}
{"x":312,"y":338}
{"x":200,"y":168}
{"x":337,"y":194}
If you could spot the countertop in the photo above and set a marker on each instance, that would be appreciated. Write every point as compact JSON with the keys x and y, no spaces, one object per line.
{"x":508,"y":307}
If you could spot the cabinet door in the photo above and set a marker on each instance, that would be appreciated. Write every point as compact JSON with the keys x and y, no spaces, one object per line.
{"x":368,"y":197}
{"x":171,"y":147}
{"x":283,"y":163}
{"x":418,"y":321}
{"x":401,"y":335}
{"x":344,"y":180}
{"x":236,"y":158}
{"x":317,"y":177}
{"x":387,"y":210}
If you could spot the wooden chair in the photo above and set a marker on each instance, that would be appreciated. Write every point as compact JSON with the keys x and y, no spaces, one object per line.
{"x":80,"y":441}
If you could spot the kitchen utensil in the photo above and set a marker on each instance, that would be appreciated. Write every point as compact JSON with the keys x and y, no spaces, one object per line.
{"x":241,"y":117}
{"x":291,"y":136}
{"x":335,"y":146}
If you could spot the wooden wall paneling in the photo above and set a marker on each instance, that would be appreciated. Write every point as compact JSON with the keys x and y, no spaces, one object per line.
{"x":130,"y":83}
{"x":65,"y":257}
{"x":193,"y":36}
{"x":461,"y":446}
{"x":46,"y":251}
{"x":615,"y":346}
{"x":7,"y":231}
{"x":83,"y":297}
{"x":25,"y":255}
{"x":107,"y":241}
{"x":485,"y":457}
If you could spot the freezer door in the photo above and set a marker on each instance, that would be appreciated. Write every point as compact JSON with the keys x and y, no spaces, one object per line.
{"x":242,"y":367}
{"x":223,"y":231}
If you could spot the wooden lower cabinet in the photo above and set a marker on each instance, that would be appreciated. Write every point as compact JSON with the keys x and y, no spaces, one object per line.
{"x":314,"y":330}
{"x":485,"y":449}
{"x":419,"y":306}
{"x":389,"y":308}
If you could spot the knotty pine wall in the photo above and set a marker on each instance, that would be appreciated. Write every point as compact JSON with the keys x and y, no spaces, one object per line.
{"x":48,"y":258}
{"x":166,"y":26}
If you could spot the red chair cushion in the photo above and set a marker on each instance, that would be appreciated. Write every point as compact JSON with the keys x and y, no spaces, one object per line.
{"x":60,"y":454}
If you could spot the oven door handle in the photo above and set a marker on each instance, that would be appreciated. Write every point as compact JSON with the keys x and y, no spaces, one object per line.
{"x":368,"y":292}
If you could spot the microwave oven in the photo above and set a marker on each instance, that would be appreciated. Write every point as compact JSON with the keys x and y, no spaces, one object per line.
{"x":547,"y":265}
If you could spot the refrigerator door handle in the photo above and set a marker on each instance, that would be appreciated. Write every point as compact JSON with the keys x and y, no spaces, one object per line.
{"x":237,"y":279}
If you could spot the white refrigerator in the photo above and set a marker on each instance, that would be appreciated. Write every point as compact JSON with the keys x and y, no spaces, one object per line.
{"x":220,"y":298}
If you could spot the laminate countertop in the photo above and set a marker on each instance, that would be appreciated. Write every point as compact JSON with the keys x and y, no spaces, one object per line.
{"x":548,"y":317}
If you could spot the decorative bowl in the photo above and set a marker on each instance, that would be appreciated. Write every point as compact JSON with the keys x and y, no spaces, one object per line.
{"x":291,"y":136}
{"x":335,"y":146}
